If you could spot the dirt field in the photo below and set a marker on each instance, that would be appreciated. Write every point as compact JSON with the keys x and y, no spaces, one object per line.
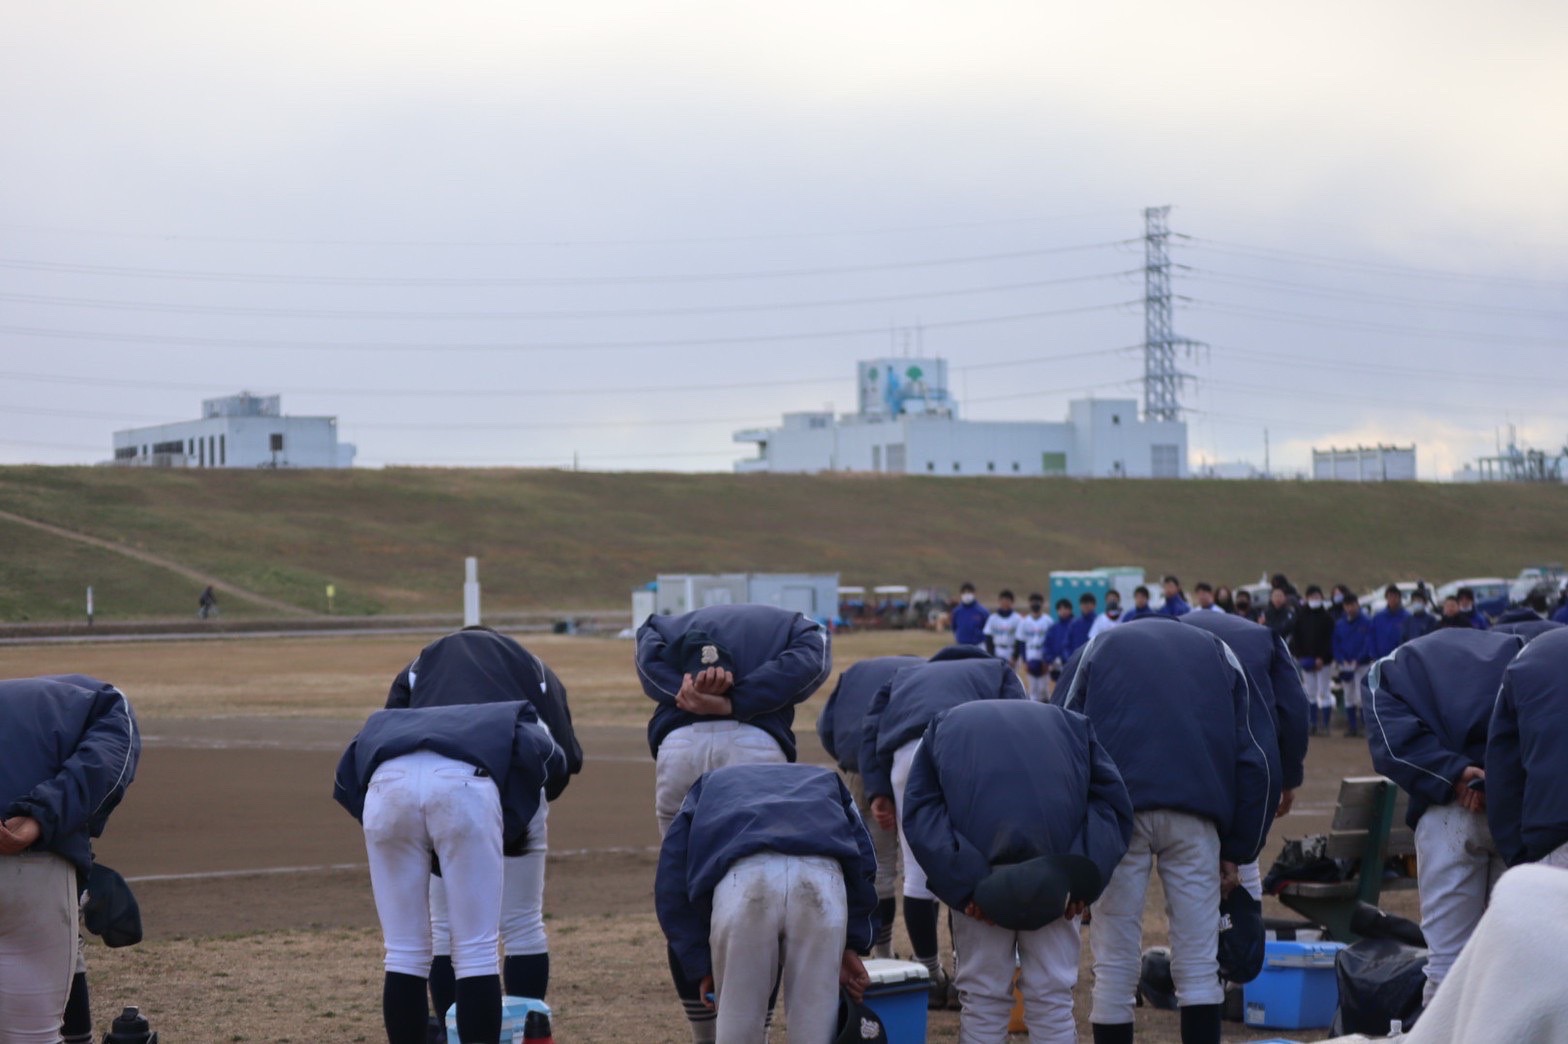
{"x":252,"y":882}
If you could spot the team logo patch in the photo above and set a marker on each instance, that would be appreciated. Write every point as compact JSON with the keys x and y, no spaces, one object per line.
{"x":710,"y":655}
{"x":870,"y":1029}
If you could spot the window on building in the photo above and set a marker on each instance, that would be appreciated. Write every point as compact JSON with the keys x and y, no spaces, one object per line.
{"x":212,"y":452}
{"x":876,"y":458}
{"x":1015,"y":466}
{"x":125,"y":453}
{"x":930,"y":465}
{"x":955,"y":465}
{"x":897,"y":458}
{"x":144,"y":449}
{"x":190,"y":447}
{"x":1165,"y":460}
{"x":223,"y":451}
{"x":171,"y":448}
{"x":275,"y":442}
{"x":1116,"y":418}
{"x":1053,"y":463}
{"x":990,"y":465}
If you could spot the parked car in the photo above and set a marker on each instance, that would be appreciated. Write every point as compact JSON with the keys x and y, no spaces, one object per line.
{"x":1491,"y":592}
{"x":1374,"y":598}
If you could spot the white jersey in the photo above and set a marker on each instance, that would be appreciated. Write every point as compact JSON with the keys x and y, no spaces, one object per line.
{"x":1102,"y":623}
{"x":1003,"y":632}
{"x":1032,"y":632}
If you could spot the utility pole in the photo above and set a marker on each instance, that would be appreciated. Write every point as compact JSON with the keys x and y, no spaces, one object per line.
{"x":1265,"y":453}
{"x":1161,"y":379}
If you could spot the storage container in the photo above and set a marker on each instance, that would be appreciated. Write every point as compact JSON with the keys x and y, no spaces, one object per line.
{"x":1297,"y":988}
{"x":899,"y":993}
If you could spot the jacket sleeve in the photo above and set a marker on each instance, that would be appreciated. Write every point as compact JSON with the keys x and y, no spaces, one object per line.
{"x":1074,"y":674}
{"x":952,"y":864}
{"x":876,"y":772}
{"x":686,"y":921}
{"x":1012,"y":688}
{"x":1505,"y":777}
{"x":860,"y":881}
{"x":788,"y":678}
{"x":1253,"y":810}
{"x":1107,"y":825}
{"x":1405,"y":749}
{"x":346,"y":788}
{"x":660,"y":681}
{"x":557,"y":714}
{"x":1290,"y":706}
{"x":1342,"y":652}
{"x":402,"y":691}
{"x":535,"y":749}
{"x":825,"y":720}
{"x":91,"y":782}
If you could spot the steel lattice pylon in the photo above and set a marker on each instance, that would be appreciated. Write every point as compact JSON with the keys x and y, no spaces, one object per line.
{"x":1161,"y":379}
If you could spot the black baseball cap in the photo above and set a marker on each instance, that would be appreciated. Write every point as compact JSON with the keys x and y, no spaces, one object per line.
{"x":1024,"y":896}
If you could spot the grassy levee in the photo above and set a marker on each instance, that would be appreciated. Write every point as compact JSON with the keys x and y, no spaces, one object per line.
{"x":392,"y":541}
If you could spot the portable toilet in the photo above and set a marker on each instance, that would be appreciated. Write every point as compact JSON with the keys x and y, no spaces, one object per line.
{"x":1124,"y":579}
{"x":1072,"y":584}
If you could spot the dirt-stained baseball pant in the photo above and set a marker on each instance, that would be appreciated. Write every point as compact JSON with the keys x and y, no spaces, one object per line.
{"x":884,"y":841}
{"x":1319,"y":685}
{"x":1186,"y":850}
{"x":772,"y":910}
{"x":522,"y":896}
{"x":1047,"y":963}
{"x":691,"y":750}
{"x":422,"y":803}
{"x":914,"y":877}
{"x":38,"y":945}
{"x":1458,"y":866}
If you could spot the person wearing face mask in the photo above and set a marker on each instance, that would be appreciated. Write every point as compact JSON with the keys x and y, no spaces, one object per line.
{"x":1337,"y":606}
{"x":1468,"y":610}
{"x":1111,"y":617}
{"x":1001,"y":629}
{"x":1032,"y":633}
{"x":1243,"y":607}
{"x":1280,"y":616}
{"x":968,"y":618}
{"x":1422,"y":620}
{"x":1312,"y":643}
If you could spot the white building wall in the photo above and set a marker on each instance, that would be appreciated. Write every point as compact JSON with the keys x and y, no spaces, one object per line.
{"x":240,"y":442}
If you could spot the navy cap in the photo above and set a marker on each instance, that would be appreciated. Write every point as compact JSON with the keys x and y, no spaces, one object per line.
{"x":1029,"y":895}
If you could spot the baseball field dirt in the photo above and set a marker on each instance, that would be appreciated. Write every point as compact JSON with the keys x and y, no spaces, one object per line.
{"x":253,"y":885}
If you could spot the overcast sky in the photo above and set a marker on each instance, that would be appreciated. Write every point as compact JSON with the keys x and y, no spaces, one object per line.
{"x":507,"y":233}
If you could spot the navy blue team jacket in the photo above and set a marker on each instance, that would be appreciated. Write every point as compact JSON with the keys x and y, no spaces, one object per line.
{"x":504,"y":739}
{"x":906,"y":703}
{"x":780,"y":659}
{"x":740,"y":810}
{"x":1273,"y":675}
{"x":1428,"y":708}
{"x":1526,"y":768}
{"x":1529,"y":630}
{"x":477,"y":665}
{"x":1003,"y":781}
{"x":838,"y":726}
{"x":1172,"y":706}
{"x":69,"y":747}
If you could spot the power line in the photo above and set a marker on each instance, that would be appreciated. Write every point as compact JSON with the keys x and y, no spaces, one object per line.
{"x":476,"y":281}
{"x":1393,"y":402}
{"x":169,"y":341}
{"x":1236,"y":279}
{"x":1304,"y":319}
{"x":1295,"y":363}
{"x":1220,"y":246}
{"x":619,"y":313}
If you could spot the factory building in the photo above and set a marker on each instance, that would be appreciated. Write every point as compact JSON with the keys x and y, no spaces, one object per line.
{"x":908,"y":423}
{"x":1365,"y":464}
{"x":236,"y":431}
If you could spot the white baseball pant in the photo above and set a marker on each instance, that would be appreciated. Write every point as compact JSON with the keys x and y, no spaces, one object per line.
{"x":522,"y":896}
{"x":1186,"y":850}
{"x":691,"y":750}
{"x":1319,"y":685}
{"x":772,"y":910}
{"x":1251,"y":879}
{"x":38,"y":945}
{"x":422,"y":803}
{"x":1557,"y":857}
{"x":885,"y":842}
{"x":1352,"y":688}
{"x":1047,"y":963}
{"x":1457,"y":865}
{"x":914,"y":877}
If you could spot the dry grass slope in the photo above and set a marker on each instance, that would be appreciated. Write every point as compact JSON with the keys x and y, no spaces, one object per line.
{"x":392,"y":540}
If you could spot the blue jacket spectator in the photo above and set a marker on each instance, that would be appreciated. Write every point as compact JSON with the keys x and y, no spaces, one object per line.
{"x":1058,"y":640}
{"x":1388,"y":631}
{"x":905,"y":705}
{"x":740,"y":810}
{"x":1274,"y":679}
{"x":1526,"y":772}
{"x":503,"y":739}
{"x":1419,"y":625}
{"x":1002,"y":782}
{"x":1353,"y":640}
{"x":478,"y":665}
{"x":1155,"y":685}
{"x":839,"y":724}
{"x":968,"y":621}
{"x":780,"y":659}
{"x":1137,"y":612}
{"x":1175,"y":605}
{"x":71,"y":747}
{"x":1428,"y":711}
{"x":1078,"y":631}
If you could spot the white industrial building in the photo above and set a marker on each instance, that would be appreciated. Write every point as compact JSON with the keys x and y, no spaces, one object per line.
{"x":1365,"y":464}
{"x":907,"y":423}
{"x":236,"y":431}
{"x":814,"y":594}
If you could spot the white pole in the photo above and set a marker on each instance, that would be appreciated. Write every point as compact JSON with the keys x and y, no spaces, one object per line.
{"x":89,"y":605}
{"x":471,"y":592}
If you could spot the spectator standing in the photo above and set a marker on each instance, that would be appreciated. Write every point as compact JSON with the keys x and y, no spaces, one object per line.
{"x":1422,"y":620}
{"x":1452,"y":617}
{"x":968,"y":618}
{"x":1001,"y":629}
{"x":1175,"y":598}
{"x":1058,"y":638}
{"x":1033,"y":630}
{"x":1388,"y":624}
{"x":1337,"y":608}
{"x":1244,"y":604}
{"x":1079,"y":631}
{"x":1467,"y":609}
{"x":1112,"y":615}
{"x":1280,"y":616}
{"x":1224,"y":600}
{"x":1312,"y":643}
{"x":1353,"y":655}
{"x":1140,"y":605}
{"x":1203,"y":597}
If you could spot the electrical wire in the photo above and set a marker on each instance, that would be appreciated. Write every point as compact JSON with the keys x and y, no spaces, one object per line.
{"x":1247,"y":250}
{"x":1304,"y":319}
{"x":1236,"y":279}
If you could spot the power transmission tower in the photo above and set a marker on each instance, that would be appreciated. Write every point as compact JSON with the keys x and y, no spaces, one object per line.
{"x":1161,"y":379}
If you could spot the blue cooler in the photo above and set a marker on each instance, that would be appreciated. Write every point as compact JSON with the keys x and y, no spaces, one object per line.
{"x":514,"y":1013}
{"x":898,"y":994}
{"x":1296,"y":989}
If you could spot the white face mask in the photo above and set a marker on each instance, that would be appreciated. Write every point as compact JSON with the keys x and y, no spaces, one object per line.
{"x":967,"y":598}
{"x":1418,"y":607}
{"x":1339,"y":599}
{"x":1314,"y":603}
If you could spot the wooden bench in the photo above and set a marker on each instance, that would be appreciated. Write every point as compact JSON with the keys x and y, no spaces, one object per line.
{"x":1369,"y":826}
